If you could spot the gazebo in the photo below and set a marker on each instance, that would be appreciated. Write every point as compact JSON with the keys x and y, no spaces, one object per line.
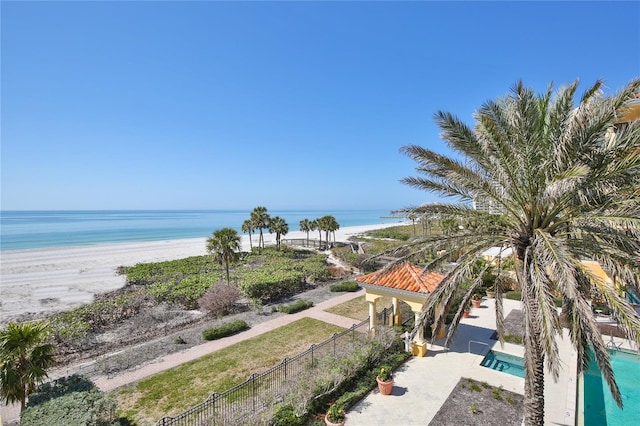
{"x":407,"y":282}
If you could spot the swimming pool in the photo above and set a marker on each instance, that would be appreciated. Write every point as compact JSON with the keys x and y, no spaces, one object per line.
{"x":599,"y":406}
{"x":506,"y":363}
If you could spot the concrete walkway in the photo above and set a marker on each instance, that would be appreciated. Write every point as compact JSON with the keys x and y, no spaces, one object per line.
{"x":10,"y":413}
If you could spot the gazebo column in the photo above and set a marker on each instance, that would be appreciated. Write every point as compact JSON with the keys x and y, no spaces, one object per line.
{"x":419,"y":345}
{"x":373,"y":318}
{"x":397,"y":318}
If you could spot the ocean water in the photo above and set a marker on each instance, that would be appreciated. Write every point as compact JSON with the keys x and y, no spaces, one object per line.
{"x":21,"y":230}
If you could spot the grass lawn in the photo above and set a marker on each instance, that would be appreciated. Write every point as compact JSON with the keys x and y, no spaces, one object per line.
{"x":176,"y":390}
{"x":358,"y":308}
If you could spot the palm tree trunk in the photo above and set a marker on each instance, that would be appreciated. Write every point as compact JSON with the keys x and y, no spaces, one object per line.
{"x":250,"y":243}
{"x":534,"y":384}
{"x":226,"y":264}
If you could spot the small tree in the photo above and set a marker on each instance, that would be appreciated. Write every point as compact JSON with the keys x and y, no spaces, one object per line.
{"x":219,"y":300}
{"x":25,"y":356}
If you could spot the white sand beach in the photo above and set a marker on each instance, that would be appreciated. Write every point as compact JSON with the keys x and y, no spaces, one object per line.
{"x":37,"y":282}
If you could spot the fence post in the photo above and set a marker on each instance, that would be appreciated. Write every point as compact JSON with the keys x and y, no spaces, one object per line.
{"x":253,"y":391}
{"x":335,"y":335}
{"x":312,"y":345}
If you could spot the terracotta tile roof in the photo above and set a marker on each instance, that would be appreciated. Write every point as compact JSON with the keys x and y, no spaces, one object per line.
{"x":404,"y":276}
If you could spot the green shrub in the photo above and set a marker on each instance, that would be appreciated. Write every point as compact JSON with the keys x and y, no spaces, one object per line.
{"x":513,"y":295}
{"x":224,"y":330}
{"x":297,"y":306}
{"x":350,"y":286}
{"x":71,"y":400}
{"x":285,"y":415}
{"x":59,"y":387}
{"x":271,"y":284}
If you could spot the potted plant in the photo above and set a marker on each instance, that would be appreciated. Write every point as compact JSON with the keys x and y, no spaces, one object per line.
{"x":476,"y":299}
{"x":491,"y":292}
{"x":466,"y":313}
{"x":385,"y":380}
{"x":335,"y":416}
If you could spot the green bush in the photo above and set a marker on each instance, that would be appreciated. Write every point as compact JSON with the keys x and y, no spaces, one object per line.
{"x":71,"y":400}
{"x":271,"y":284}
{"x":297,"y":306}
{"x":285,"y":415}
{"x":225,"y":330}
{"x":513,"y":295}
{"x":350,"y":286}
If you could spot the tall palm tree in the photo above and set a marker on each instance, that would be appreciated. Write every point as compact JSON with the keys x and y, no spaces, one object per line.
{"x":313,"y":226}
{"x":278,"y":226}
{"x":565,"y":186}
{"x":324,"y":225}
{"x":412,"y":217}
{"x":333,"y":226}
{"x":247,"y":226}
{"x":25,"y":356}
{"x":305,"y":226}
{"x":260,"y":221}
{"x":224,"y":244}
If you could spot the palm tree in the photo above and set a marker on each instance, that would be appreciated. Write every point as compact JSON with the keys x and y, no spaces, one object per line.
{"x":305,"y":226}
{"x":333,"y":226}
{"x":315,"y":226}
{"x":565,"y":181}
{"x":260,"y":221}
{"x":412,"y":217}
{"x":225,"y":245}
{"x":278,"y":226}
{"x":323,"y":225}
{"x":25,"y":356}
{"x":247,"y":226}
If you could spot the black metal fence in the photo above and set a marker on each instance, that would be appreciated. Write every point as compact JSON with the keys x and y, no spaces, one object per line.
{"x":262,"y":390}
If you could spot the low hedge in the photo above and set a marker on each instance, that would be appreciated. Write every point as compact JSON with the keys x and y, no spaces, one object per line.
{"x":349,"y":286}
{"x":513,"y":295}
{"x":297,"y":306}
{"x":225,"y":330}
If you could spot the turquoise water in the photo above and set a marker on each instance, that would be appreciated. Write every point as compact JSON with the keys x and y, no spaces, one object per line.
{"x":506,"y":363}
{"x":599,"y":407}
{"x":36,"y":229}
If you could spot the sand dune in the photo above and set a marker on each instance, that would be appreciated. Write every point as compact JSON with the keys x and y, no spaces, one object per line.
{"x":40,"y":281}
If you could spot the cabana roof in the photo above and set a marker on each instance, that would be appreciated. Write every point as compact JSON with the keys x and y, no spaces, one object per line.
{"x":404,"y":277}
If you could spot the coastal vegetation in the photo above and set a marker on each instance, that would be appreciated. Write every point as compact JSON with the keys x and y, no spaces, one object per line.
{"x":560,"y":185}
{"x":72,"y":400}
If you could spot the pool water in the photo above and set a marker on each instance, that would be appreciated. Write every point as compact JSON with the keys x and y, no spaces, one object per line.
{"x":506,"y":363}
{"x":599,"y":407}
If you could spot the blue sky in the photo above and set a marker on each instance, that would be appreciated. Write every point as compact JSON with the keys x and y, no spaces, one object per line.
{"x":301,"y":105}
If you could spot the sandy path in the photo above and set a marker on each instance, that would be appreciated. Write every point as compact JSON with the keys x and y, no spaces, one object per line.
{"x":41,"y":281}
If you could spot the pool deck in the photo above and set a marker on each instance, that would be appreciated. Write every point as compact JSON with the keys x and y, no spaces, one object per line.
{"x":422,"y":385}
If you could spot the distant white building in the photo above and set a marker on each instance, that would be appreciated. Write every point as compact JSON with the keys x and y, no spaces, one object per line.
{"x":489,"y":205}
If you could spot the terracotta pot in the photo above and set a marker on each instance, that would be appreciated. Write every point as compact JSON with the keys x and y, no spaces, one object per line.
{"x":330,"y":423}
{"x":476,"y":303}
{"x":491,"y":294}
{"x":465,"y":314}
{"x":385,"y":387}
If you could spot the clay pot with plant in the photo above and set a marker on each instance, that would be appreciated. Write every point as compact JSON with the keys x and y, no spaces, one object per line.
{"x":476,"y":300}
{"x":385,"y":380}
{"x":335,"y":416}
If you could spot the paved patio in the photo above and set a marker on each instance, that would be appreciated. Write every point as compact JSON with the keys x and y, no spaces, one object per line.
{"x":423,"y":384}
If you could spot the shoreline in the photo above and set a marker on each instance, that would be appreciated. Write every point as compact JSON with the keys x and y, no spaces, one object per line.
{"x":38,"y":282}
